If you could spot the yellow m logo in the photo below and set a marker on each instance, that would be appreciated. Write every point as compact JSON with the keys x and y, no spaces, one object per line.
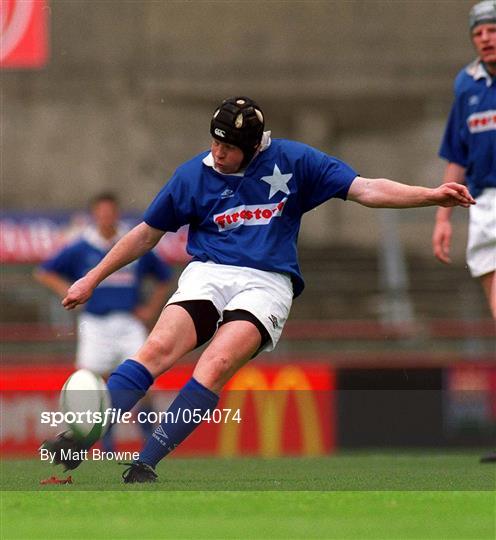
{"x":271,"y":401}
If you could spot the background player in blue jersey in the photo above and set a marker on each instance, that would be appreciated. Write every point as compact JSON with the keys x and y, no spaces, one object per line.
{"x":113,"y":324}
{"x":244,"y":201}
{"x":469,"y":146}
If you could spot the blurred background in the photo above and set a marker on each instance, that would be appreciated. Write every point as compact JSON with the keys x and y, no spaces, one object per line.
{"x":115,"y":95}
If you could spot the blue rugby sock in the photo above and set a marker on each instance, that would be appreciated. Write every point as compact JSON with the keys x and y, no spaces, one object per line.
{"x":146,"y":426}
{"x":192,"y":399}
{"x":128,"y":384}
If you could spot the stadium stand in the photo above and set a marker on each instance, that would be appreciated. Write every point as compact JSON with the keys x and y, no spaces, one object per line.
{"x":339,"y":314}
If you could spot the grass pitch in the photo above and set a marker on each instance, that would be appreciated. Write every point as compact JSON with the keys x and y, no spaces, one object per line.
{"x":358,"y":495}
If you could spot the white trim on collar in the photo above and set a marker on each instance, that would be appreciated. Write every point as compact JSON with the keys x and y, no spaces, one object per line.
{"x":95,"y":239}
{"x":477,"y":71}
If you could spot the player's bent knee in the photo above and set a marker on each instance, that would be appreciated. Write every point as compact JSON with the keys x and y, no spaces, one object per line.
{"x":214,"y":372}
{"x":156,"y":355}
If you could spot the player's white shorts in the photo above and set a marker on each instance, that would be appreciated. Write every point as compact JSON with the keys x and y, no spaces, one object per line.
{"x":481,"y":247}
{"x":104,"y":341}
{"x":266,"y":295}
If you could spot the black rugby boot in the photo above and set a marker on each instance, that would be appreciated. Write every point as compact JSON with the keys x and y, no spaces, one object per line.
{"x":138,"y":472}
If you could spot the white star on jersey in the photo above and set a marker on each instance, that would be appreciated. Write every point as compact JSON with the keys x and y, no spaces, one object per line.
{"x":277,"y":181}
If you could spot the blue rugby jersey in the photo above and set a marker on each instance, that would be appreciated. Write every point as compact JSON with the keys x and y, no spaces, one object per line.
{"x":250,"y":219}
{"x":470,"y":136}
{"x":118,"y":292}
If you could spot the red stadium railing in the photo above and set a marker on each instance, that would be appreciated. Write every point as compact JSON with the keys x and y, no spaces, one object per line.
{"x":297,"y":330}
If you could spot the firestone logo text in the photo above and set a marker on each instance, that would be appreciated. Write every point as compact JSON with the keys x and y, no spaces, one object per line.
{"x":252,"y":214}
{"x":482,"y":121}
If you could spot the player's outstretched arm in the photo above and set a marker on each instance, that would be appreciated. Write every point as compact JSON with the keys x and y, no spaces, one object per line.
{"x":384,"y":193}
{"x":130,"y":247}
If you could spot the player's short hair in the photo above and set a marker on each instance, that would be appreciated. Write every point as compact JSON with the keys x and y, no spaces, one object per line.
{"x":104,"y":196}
{"x":482,"y":13}
{"x":239,"y":121}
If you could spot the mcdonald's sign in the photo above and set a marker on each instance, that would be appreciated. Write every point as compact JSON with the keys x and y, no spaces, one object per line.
{"x":285,"y":409}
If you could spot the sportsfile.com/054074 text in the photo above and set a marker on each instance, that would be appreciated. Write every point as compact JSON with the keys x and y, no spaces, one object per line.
{"x":116,"y":416}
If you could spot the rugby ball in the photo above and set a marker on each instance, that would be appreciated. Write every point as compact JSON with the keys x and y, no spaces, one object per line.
{"x":83,"y":401}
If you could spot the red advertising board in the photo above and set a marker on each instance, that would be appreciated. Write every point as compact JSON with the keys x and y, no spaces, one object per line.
{"x":471,"y":399}
{"x":23,"y":33}
{"x":284,"y":409}
{"x":31,"y":238}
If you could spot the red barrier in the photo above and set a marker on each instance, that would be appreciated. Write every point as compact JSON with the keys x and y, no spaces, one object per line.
{"x":273,"y":410}
{"x":31,"y":238}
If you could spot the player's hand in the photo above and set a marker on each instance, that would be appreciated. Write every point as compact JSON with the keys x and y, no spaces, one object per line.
{"x":441,"y":241}
{"x":79,"y":293}
{"x":453,"y":194}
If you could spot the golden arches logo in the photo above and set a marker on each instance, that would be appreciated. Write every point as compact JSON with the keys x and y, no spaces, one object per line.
{"x":271,"y":401}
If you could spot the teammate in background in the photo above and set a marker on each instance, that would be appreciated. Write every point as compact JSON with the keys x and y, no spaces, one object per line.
{"x":244,"y":201}
{"x":469,"y":146}
{"x":114,"y":323}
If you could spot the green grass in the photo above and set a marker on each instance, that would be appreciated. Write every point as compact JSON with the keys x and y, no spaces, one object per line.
{"x":352,"y":471}
{"x":356,"y":495}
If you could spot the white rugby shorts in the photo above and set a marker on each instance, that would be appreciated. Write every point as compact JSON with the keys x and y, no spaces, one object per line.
{"x":266,"y":295}
{"x":104,"y":341}
{"x":481,"y":246}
